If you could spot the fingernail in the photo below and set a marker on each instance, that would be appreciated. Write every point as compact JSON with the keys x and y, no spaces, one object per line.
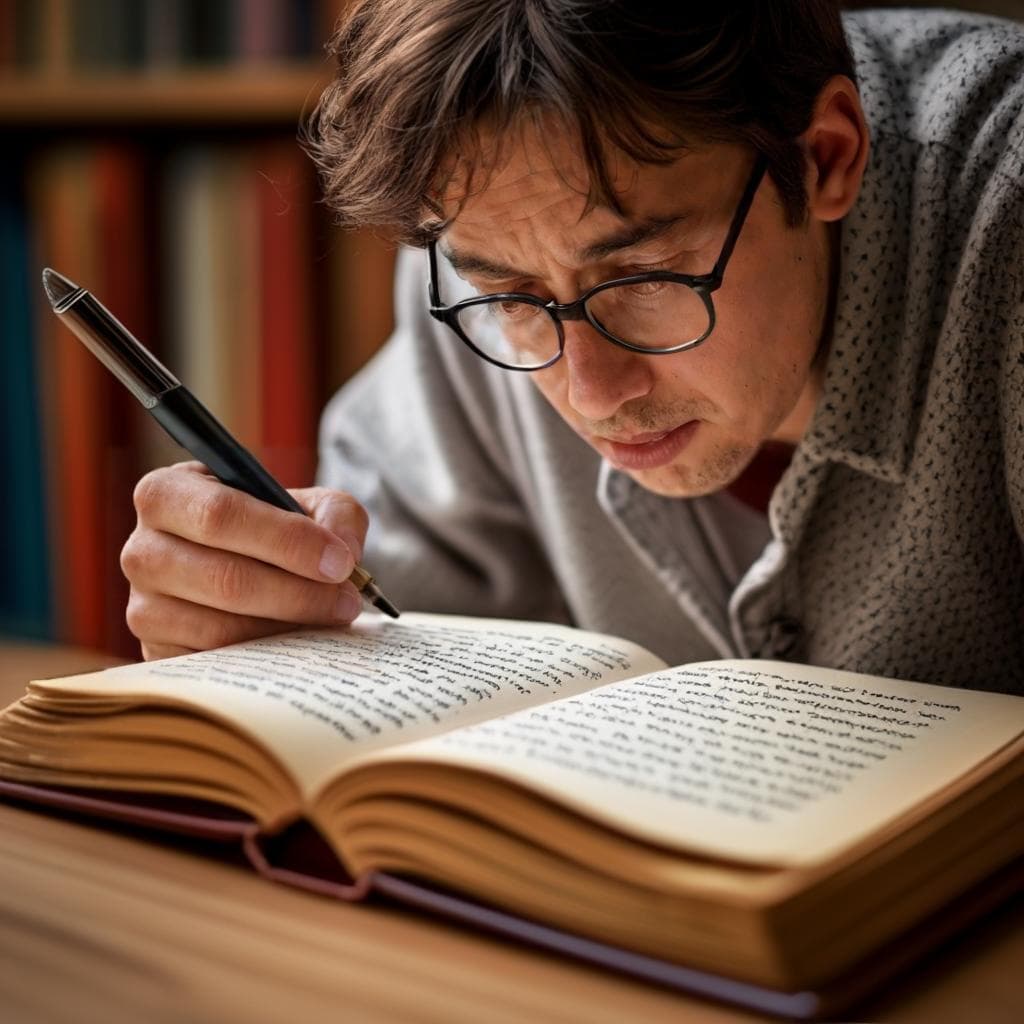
{"x":349,"y":605}
{"x":336,"y":563}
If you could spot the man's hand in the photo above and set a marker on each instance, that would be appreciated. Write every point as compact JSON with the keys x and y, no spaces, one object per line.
{"x":209,"y":565}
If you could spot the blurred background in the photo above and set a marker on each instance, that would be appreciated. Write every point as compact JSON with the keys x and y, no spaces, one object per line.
{"x":151,"y":156}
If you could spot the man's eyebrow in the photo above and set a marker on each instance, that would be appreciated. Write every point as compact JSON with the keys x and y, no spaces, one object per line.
{"x":631,"y":235}
{"x":625,"y":238}
{"x":469,"y":263}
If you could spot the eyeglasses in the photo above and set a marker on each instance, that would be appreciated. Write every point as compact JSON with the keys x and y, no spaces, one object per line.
{"x":655,"y":313}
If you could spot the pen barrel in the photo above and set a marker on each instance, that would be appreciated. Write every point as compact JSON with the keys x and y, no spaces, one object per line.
{"x":360,"y":578}
{"x":199,"y":432}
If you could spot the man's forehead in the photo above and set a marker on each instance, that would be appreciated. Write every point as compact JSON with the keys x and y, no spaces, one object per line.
{"x":534,"y":181}
{"x":586,"y":246}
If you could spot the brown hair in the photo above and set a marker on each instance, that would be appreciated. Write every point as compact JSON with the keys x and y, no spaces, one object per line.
{"x":417,"y":78}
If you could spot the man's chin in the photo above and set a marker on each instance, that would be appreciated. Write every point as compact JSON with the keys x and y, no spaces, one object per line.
{"x":685,"y":480}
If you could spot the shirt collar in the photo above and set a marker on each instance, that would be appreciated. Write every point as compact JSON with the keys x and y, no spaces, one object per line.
{"x":866,"y":416}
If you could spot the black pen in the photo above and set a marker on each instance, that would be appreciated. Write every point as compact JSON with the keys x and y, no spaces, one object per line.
{"x":175,"y":408}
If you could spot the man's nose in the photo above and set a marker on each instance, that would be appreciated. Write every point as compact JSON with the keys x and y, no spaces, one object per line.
{"x":601,"y":376}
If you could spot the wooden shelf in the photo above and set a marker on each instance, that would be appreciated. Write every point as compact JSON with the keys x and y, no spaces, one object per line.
{"x":270,"y":94}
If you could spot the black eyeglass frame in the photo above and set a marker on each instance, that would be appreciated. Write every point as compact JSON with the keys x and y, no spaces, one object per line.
{"x":703,"y":284}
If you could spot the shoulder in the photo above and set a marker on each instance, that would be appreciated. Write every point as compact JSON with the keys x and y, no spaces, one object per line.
{"x":941,"y":77}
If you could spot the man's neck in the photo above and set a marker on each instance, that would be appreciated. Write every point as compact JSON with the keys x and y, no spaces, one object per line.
{"x":795,"y":425}
{"x":756,"y":484}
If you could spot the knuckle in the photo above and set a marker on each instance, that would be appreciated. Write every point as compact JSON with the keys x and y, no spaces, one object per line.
{"x":216,"y":631}
{"x":360,"y":517}
{"x":305,"y":601}
{"x":131,"y":556}
{"x":139,"y":614}
{"x":336,"y":509}
{"x":149,"y":652}
{"x":215,"y":514}
{"x":294,"y":544}
{"x":321,"y":603}
{"x":145,"y":556}
{"x":230,"y":582}
{"x":150,"y":491}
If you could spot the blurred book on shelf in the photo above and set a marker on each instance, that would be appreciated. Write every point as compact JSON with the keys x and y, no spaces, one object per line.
{"x":61,"y":36}
{"x":239,"y":298}
{"x":181,"y":198}
{"x":84,"y":204}
{"x":24,"y":554}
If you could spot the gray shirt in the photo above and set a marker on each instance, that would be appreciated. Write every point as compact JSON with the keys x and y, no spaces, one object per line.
{"x":893,"y":543}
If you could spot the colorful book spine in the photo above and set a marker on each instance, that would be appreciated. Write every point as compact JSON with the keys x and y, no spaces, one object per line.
{"x":25,"y":580}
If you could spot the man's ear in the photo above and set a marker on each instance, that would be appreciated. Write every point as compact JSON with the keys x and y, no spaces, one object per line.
{"x":836,"y":146}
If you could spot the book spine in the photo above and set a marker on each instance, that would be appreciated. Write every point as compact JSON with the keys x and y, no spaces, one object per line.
{"x":24,"y":590}
{"x":122,"y":262}
{"x":161,"y":33}
{"x":259,"y":30}
{"x":192,"y":293}
{"x":208,"y":30}
{"x":88,"y":209}
{"x":75,"y":403}
{"x":357,"y":269}
{"x":240,"y":298}
{"x":8,"y":35}
{"x":288,"y":345}
{"x":54,"y":35}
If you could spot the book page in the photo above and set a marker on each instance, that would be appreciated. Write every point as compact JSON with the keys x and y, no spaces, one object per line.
{"x":753,"y":760}
{"x":317,"y":698}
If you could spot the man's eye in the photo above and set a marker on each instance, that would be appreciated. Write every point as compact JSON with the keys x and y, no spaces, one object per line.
{"x":646,"y":288}
{"x":511,"y":310}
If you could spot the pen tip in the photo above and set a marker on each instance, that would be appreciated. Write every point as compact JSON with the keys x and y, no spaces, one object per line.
{"x":57,"y":286}
{"x":381,"y":602}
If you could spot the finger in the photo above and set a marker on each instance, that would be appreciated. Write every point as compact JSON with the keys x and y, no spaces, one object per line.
{"x":158,"y":563}
{"x":338,"y":512}
{"x":170,"y":622}
{"x":157,"y":652}
{"x":194,"y":505}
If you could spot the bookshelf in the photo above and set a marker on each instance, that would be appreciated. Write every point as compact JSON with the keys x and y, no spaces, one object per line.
{"x":274,"y":96}
{"x":151,"y":150}
{"x":176,"y":190}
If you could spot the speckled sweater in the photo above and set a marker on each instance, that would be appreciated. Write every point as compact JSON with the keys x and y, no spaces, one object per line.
{"x":893,"y":543}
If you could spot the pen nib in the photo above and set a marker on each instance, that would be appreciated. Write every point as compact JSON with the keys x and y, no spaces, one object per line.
{"x":58,"y":287}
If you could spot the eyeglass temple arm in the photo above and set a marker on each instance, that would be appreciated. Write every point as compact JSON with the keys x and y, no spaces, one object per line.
{"x":738,"y":219}
{"x":433,"y":291}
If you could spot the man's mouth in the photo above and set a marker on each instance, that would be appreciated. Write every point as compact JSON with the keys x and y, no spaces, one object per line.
{"x":649,"y":450}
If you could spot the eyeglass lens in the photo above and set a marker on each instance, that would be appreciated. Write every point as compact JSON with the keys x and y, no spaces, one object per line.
{"x":651,"y":314}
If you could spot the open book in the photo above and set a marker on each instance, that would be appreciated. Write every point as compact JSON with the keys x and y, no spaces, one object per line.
{"x":761,"y":821}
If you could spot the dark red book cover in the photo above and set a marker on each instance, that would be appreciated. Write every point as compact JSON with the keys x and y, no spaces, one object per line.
{"x":119,"y":183}
{"x":287,"y":343}
{"x":73,"y":393}
{"x":7,"y":33}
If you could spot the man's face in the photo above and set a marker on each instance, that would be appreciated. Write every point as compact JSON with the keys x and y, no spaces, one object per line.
{"x":682,"y":424}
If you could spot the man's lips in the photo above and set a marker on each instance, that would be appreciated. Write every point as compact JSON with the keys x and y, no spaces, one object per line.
{"x":639,"y":438}
{"x":649,"y":450}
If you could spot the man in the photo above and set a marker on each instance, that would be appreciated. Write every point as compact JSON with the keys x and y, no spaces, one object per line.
{"x":715,"y":261}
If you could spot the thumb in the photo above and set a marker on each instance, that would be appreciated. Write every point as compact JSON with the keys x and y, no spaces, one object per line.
{"x":338,"y":512}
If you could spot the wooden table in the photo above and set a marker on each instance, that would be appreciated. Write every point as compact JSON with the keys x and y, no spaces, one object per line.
{"x":110,"y":926}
